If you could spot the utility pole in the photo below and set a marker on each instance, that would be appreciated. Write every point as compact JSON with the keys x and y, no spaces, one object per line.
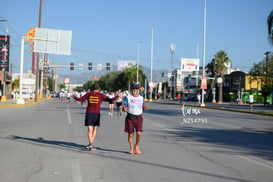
{"x":37,"y":62}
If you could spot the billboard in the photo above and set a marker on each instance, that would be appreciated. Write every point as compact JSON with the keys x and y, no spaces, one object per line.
{"x":66,"y":80}
{"x":125,"y":64}
{"x":52,"y":41}
{"x":189,"y":64}
{"x":4,"y":52}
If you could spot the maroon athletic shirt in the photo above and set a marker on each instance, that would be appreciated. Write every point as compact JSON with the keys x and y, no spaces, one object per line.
{"x":94,"y":100}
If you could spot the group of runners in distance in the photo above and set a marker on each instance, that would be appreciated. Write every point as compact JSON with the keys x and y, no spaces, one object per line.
{"x":133,"y":105}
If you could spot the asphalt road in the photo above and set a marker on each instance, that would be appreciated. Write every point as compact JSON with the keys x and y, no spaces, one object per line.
{"x":46,"y":142}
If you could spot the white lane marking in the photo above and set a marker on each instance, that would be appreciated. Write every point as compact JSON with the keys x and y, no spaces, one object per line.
{"x":76,"y":171}
{"x":68,"y":114}
{"x":258,"y":161}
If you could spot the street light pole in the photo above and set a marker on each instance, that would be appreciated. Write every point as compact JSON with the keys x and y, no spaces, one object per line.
{"x":152,"y":57}
{"x":204,"y":53}
{"x":138,"y":42}
{"x":21,"y":100}
{"x":172,"y":49}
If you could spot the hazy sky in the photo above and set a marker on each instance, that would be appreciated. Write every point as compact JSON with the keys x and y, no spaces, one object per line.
{"x":107,"y":30}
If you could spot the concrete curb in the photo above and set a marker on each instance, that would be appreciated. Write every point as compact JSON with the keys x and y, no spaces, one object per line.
{"x":223,"y":109}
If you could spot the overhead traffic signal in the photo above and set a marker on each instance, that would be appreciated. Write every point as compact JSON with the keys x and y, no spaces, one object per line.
{"x":108,"y":66}
{"x":71,"y":66}
{"x":89,"y":66}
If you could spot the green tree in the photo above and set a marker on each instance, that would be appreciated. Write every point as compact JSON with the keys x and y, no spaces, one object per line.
{"x":16,"y":83}
{"x":62,"y":86}
{"x":270,"y":27}
{"x":87,"y":85}
{"x":221,"y":60}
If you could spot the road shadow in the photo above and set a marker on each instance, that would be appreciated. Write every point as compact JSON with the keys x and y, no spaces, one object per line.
{"x":245,"y":140}
{"x":79,"y":148}
{"x":61,"y":144}
{"x":169,"y":112}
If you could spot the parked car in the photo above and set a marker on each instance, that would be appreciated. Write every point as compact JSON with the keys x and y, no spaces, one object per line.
{"x":190,"y":98}
{"x":56,"y":95}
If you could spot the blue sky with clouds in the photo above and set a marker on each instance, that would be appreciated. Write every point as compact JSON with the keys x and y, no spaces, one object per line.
{"x":107,"y":31}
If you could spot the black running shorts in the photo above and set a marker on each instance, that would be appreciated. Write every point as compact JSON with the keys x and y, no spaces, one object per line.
{"x":92,"y":119}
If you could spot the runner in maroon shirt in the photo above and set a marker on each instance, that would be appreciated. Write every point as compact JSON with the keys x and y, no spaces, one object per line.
{"x":92,"y":116}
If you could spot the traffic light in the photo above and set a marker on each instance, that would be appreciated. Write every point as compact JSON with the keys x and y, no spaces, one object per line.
{"x":162,"y":74}
{"x":89,"y":66}
{"x":71,"y":66}
{"x":107,"y":66}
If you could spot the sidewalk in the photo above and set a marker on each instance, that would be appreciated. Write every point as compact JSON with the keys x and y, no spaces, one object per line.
{"x":13,"y":103}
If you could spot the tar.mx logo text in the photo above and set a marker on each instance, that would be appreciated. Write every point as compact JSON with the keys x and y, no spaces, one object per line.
{"x":192,"y":113}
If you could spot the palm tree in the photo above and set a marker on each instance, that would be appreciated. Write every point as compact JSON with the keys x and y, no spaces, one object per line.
{"x":270,"y":26}
{"x":221,"y":60}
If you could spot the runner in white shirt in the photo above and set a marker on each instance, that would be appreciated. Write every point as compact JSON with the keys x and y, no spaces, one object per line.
{"x":251,"y":100}
{"x":134,"y":105}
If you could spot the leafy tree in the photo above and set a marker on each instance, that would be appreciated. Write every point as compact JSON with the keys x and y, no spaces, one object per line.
{"x":87,"y":85}
{"x":270,"y":27}
{"x":49,"y":83}
{"x":16,"y":84}
{"x":62,"y":86}
{"x":220,"y":61}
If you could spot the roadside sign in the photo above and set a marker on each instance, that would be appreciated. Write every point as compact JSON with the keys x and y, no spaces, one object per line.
{"x":66,"y":80}
{"x":30,"y":35}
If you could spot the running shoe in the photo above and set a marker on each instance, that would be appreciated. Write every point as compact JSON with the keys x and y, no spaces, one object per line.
{"x":89,"y":147}
{"x":131,"y":151}
{"x":137,"y":151}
